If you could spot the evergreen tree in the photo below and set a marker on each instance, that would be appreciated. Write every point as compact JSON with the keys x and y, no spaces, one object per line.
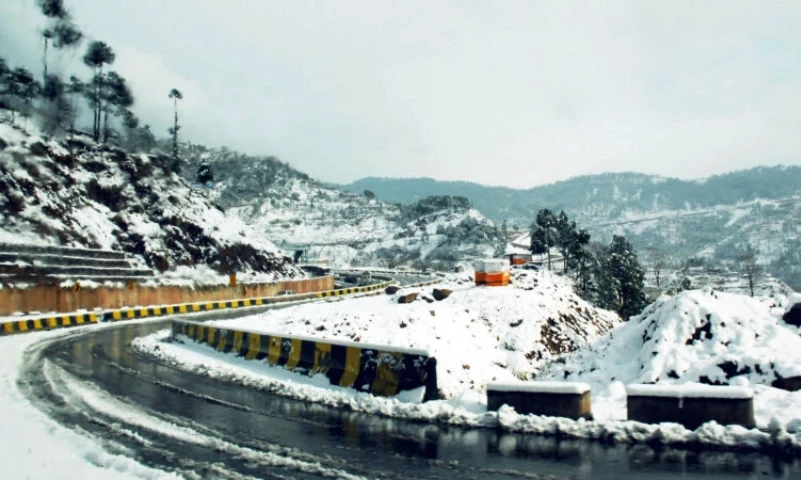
{"x":176,"y":95}
{"x":61,"y":30}
{"x":565,"y":238}
{"x":97,"y":55}
{"x":539,"y":245}
{"x":21,"y":88}
{"x":581,"y":258}
{"x":75,"y":89}
{"x":546,"y":222}
{"x":58,"y":111}
{"x":117,"y":98}
{"x":621,"y":279}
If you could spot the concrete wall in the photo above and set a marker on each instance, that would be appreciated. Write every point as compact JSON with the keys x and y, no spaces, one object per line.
{"x":382,"y":371}
{"x":49,"y":298}
{"x":570,"y":405}
{"x":691,"y":412}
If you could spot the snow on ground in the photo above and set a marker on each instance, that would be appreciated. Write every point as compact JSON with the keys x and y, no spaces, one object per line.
{"x":34,"y":446}
{"x":478,"y":334}
{"x":482,"y":334}
{"x":698,"y":336}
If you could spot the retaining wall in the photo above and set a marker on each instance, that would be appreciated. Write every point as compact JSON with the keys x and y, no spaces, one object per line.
{"x":53,"y":298}
{"x":52,"y":321}
{"x":380,"y":370}
{"x":691,"y":407}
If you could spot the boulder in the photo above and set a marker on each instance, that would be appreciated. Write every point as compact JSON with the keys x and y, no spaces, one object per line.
{"x":392,"y":289}
{"x":39,"y":149}
{"x":793,"y":316}
{"x":441,"y":293}
{"x":408,"y":298}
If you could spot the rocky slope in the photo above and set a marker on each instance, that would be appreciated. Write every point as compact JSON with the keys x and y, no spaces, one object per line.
{"x":77,"y":193}
{"x":343,"y":228}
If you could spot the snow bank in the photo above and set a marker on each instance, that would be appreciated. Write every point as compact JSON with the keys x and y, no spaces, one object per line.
{"x":478,"y":335}
{"x":689,"y":391}
{"x":698,"y":336}
{"x":539,"y":387}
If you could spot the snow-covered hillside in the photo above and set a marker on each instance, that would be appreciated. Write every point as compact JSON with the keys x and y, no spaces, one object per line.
{"x":477,"y":334}
{"x":78,"y":193}
{"x":344,"y":228}
{"x":702,"y":336}
{"x":717,"y":218}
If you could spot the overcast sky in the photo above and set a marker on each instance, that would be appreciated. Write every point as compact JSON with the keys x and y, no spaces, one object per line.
{"x":516,"y":93}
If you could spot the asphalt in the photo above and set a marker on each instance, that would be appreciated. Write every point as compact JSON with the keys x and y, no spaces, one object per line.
{"x":200,"y":427}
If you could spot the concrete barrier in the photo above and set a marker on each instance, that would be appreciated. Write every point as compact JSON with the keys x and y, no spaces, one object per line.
{"x":691,"y":405}
{"x":49,"y":322}
{"x":381,"y":370}
{"x":554,"y":399}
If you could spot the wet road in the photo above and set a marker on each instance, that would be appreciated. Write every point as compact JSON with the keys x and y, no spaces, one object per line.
{"x":203,"y":428}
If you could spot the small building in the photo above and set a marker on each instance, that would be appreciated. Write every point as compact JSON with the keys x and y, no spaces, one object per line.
{"x":519,"y":258}
{"x":492,"y":272}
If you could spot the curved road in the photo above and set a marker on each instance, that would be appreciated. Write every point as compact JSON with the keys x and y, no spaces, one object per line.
{"x":91,"y":380}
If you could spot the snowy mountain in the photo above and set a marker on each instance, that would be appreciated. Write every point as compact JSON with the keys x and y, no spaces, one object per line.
{"x":343,"y":228}
{"x":78,"y":193}
{"x":717,"y":218}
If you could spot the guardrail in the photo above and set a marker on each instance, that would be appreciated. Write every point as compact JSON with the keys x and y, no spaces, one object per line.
{"x":379,"y":370}
{"x":53,"y":321}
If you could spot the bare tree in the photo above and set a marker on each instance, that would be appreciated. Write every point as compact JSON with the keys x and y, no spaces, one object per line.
{"x":658,"y":262}
{"x":751,"y":270}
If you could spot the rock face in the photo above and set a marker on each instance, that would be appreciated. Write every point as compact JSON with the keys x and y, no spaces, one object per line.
{"x":793,"y":315}
{"x":408,"y":298}
{"x":441,"y":293}
{"x":83,"y":194}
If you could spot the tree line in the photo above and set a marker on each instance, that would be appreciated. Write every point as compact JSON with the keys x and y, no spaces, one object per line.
{"x":56,"y":101}
{"x":609,"y":275}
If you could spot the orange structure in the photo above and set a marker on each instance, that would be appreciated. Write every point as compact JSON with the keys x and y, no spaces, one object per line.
{"x":493,"y":272}
{"x":519,"y":258}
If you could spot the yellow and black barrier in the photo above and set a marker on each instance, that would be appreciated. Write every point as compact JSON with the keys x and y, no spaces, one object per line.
{"x":380,"y":370}
{"x":51,"y":322}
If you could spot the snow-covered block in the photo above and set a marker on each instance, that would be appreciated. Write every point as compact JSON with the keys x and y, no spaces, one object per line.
{"x":555,"y":399}
{"x":492,"y":271}
{"x":691,"y":405}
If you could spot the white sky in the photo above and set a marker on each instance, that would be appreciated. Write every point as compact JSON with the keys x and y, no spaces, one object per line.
{"x":516,"y":93}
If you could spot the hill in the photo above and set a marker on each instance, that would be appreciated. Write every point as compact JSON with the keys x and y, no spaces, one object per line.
{"x":715,"y":219}
{"x":342,"y":228}
{"x":75,"y":192}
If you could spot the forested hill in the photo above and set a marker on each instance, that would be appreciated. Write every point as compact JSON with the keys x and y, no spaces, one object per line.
{"x":608,"y":194}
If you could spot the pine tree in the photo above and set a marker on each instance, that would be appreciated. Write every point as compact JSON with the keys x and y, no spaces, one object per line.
{"x":581,"y":258}
{"x":565,"y":238}
{"x":97,"y":55}
{"x":546,"y":222}
{"x":176,"y":95}
{"x":21,"y":88}
{"x":621,"y":279}
{"x":117,"y":98}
